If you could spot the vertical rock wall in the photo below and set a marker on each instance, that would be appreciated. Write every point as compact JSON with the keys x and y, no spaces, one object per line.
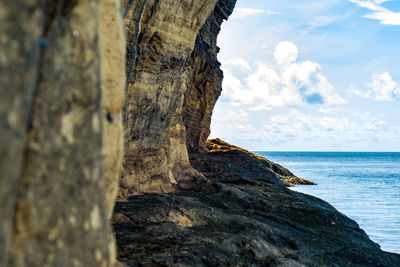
{"x":19,"y":60}
{"x":112,"y":49}
{"x":205,"y":82}
{"x":160,"y":38}
{"x":53,"y":123}
{"x":62,"y":78}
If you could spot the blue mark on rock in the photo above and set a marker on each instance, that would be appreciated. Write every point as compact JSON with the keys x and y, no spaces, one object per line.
{"x":43,"y":43}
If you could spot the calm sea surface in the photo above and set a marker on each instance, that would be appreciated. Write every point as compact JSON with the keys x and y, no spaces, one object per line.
{"x":365,"y":186}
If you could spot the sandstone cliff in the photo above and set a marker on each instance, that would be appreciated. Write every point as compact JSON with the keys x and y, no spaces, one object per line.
{"x":237,"y":211}
{"x":67,"y":71}
{"x":60,"y":80}
{"x":160,"y":36}
{"x":205,"y":83}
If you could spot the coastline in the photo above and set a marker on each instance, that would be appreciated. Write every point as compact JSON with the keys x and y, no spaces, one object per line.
{"x":241,"y":214}
{"x":363,"y":185}
{"x":107,"y":100}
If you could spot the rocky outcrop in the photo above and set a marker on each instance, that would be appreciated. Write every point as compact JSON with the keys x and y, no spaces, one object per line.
{"x":56,"y":67}
{"x":63,"y":81}
{"x":238,"y":210}
{"x":256,"y":166}
{"x":205,"y":83}
{"x":161,"y":36}
{"x":243,"y":216}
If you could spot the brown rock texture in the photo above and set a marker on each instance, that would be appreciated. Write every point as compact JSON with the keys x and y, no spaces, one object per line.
{"x":205,"y":83}
{"x":241,"y":213}
{"x":19,"y":60}
{"x":66,"y":68}
{"x":113,"y":77}
{"x":258,"y":165}
{"x":52,"y":77}
{"x":161,"y":37}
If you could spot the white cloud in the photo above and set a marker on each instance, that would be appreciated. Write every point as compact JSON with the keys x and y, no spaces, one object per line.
{"x":286,"y":53}
{"x":380,"y":13}
{"x":230,"y":122}
{"x":383,"y":88}
{"x":328,"y":131}
{"x":287,"y":82}
{"x":240,"y":13}
{"x":305,"y":126}
{"x":293,"y":129}
{"x":371,"y":123}
{"x":321,"y":20}
{"x":227,"y":114}
{"x":327,"y":110}
{"x":237,"y":62}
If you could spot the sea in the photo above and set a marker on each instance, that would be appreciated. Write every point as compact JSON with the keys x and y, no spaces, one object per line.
{"x":365,"y":186}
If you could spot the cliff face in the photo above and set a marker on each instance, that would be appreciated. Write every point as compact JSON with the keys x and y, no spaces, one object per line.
{"x":64,"y":78}
{"x":161,"y":71}
{"x":235,"y":208}
{"x":112,"y":74}
{"x":205,"y":83}
{"x":56,"y":69}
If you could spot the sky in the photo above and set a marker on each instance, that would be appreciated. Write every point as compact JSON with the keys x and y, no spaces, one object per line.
{"x":310,"y":76}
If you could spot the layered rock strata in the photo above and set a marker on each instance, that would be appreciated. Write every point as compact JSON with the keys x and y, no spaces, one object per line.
{"x":63,"y":84}
{"x":242,"y":213}
{"x":205,"y":83}
{"x":57,"y":63}
{"x":161,"y":36}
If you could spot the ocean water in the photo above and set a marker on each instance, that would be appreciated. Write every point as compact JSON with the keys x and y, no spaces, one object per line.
{"x":365,"y":186}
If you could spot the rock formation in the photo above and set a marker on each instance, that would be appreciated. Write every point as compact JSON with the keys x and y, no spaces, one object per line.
{"x":241,"y":212}
{"x":205,"y":82}
{"x":245,"y":216}
{"x":161,"y":37}
{"x":112,"y":48}
{"x":257,"y":166}
{"x":57,"y":65}
{"x":67,"y":70}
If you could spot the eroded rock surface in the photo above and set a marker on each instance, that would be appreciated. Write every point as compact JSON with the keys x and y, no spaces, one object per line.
{"x":256,"y":165}
{"x":19,"y":60}
{"x":243,"y":216}
{"x":52,"y":187}
{"x":161,"y":37}
{"x":62,"y":82}
{"x":205,"y":83}
{"x":112,"y":49}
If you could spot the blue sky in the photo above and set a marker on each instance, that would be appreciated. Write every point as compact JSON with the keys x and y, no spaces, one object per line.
{"x":311,"y":76}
